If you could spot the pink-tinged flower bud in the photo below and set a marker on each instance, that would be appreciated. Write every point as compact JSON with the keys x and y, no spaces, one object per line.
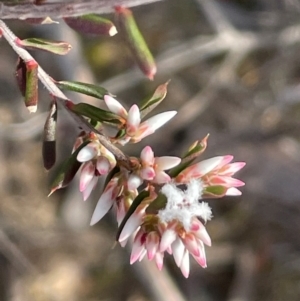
{"x":152,"y":244}
{"x":166,"y":162}
{"x":199,"y":169}
{"x":159,"y":260}
{"x":103,"y":165}
{"x":134,"y":181}
{"x":167,"y":238}
{"x":88,"y":152}
{"x":185,"y":264}
{"x":147,"y":155}
{"x":132,"y":223}
{"x":133,"y":120}
{"x":115,"y":107}
{"x":178,"y":251}
{"x":89,"y":188}
{"x":232,"y":191}
{"x":138,"y":246}
{"x":86,"y":175}
{"x":106,"y":201}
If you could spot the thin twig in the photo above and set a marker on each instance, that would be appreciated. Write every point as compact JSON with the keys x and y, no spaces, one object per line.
{"x":59,"y":95}
{"x":19,"y":10}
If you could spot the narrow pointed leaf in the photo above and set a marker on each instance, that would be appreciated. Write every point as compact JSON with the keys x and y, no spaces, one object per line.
{"x":157,"y":204}
{"x":135,"y":41}
{"x":84,"y":88}
{"x":196,"y":149}
{"x":68,"y":170}
{"x":56,"y":47}
{"x":151,"y":103}
{"x":31,"y":91}
{"x":95,"y":113}
{"x":92,"y":24}
{"x":175,"y":171}
{"x":49,"y":137}
{"x":21,"y":75}
{"x":137,"y":201}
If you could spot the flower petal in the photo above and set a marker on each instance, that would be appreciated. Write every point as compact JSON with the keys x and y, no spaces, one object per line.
{"x":89,"y":188}
{"x":147,"y":155}
{"x":132,"y":224}
{"x":103,"y":165}
{"x":88,"y":152}
{"x":167,"y":238}
{"x":106,"y":201}
{"x":86,"y":175}
{"x":185,"y":264}
{"x":147,"y":173}
{"x":166,"y":162}
{"x":161,"y":178}
{"x":115,"y":107}
{"x":199,"y":169}
{"x":133,"y":120}
{"x":178,"y":251}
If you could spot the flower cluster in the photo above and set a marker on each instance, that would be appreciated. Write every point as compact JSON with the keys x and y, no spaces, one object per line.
{"x":158,"y":201}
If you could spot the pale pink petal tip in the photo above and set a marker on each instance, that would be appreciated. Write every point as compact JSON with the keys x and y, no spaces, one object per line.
{"x":164,"y":163}
{"x":87,"y":153}
{"x":147,"y":154}
{"x":104,"y":204}
{"x":232,"y":191}
{"x":131,"y":225}
{"x":103,"y":165}
{"x":133,"y":120}
{"x":159,"y":120}
{"x":114,"y":106}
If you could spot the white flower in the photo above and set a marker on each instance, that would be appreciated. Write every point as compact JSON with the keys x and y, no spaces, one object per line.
{"x":135,"y":130}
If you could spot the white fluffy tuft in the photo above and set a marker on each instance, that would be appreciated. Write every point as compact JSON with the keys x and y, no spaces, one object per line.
{"x":184,"y":205}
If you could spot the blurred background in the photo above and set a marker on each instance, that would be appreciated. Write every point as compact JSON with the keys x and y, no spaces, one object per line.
{"x":234,"y":67}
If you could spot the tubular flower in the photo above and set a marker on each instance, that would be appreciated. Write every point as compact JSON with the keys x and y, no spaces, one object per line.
{"x":118,"y":193}
{"x":175,"y":229}
{"x":97,"y":161}
{"x":152,"y":168}
{"x":214,"y":171}
{"x":135,"y":131}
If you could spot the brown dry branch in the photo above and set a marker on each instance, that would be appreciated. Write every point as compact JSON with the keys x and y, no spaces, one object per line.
{"x":58,"y":9}
{"x":59,"y":95}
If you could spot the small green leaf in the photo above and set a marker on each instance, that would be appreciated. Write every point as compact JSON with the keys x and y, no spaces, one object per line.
{"x":84,"y":88}
{"x":56,"y":47}
{"x":137,"y":201}
{"x":92,"y":24}
{"x":196,"y":149}
{"x":95,"y":113}
{"x":31,"y":92}
{"x":175,"y":171}
{"x":157,"y":204}
{"x":68,"y":170}
{"x":135,"y":41}
{"x":214,"y":191}
{"x":151,"y":103}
